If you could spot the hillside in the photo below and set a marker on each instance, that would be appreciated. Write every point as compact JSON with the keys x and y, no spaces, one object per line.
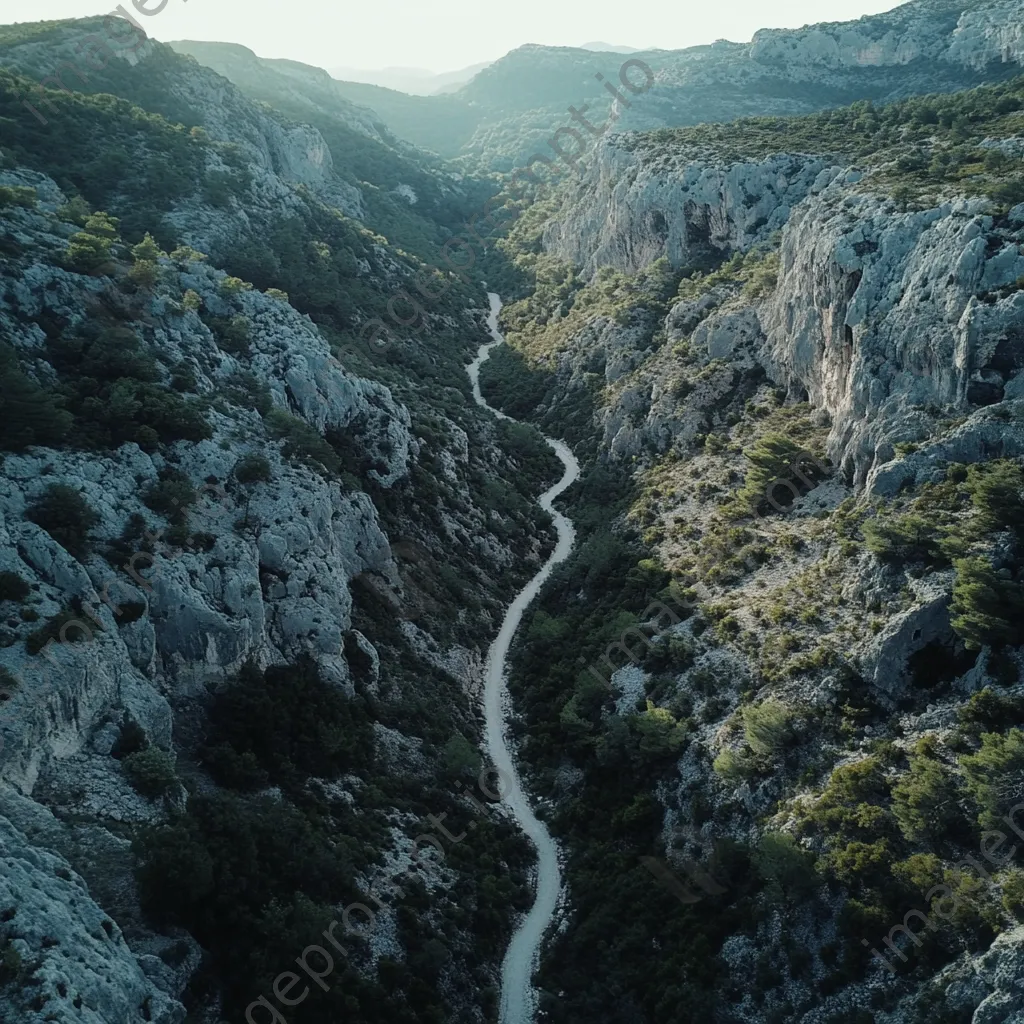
{"x":791,"y":349}
{"x":248,"y":560}
{"x":511,"y":108}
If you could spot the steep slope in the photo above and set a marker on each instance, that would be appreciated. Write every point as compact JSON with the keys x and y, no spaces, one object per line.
{"x":249,"y":566}
{"x":793,"y":655}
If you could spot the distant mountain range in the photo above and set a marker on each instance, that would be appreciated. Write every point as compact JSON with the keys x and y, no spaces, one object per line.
{"x":414,"y":81}
{"x":608,"y":48}
{"x":499,"y":114}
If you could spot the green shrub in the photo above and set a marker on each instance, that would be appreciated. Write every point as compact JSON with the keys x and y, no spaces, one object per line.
{"x":778,"y":472}
{"x":18,"y":195}
{"x":253,"y":469}
{"x":66,"y":627}
{"x":302,"y":441}
{"x":172,"y":496}
{"x":1012,"y":885}
{"x":988,"y":711}
{"x":192,"y":301}
{"x":150,"y":772}
{"x":10,"y":964}
{"x":230,"y":333}
{"x":925,"y":799}
{"x":276,"y":293}
{"x":89,"y":251}
{"x":859,"y":862}
{"x":289,"y":724}
{"x":111,"y":385}
{"x":460,"y":758}
{"x":13,"y":587}
{"x":147,"y":251}
{"x":997,"y":493}
{"x":850,"y":808}
{"x":908,"y":538}
{"x":767,"y":726}
{"x":144,"y":274}
{"x":657,"y":732}
{"x":66,"y":516}
{"x":733,"y":766}
{"x":784,"y":865}
{"x":232,"y":286}
{"x":8,"y":682}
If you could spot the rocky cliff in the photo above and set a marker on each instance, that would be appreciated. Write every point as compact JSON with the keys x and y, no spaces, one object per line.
{"x":799,"y":343}
{"x":197,"y":488}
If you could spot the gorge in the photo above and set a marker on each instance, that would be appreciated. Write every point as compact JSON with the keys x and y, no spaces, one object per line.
{"x":274,"y":597}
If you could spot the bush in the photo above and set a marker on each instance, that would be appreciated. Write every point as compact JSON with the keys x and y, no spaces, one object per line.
{"x":1012,"y":885}
{"x":290,"y":724}
{"x":460,"y":757}
{"x":89,"y":250}
{"x":111,"y":384}
{"x":10,"y":964}
{"x":13,"y":587}
{"x":144,"y":274}
{"x":192,"y":301}
{"x":302,"y":441}
{"x":68,"y":626}
{"x":230,"y":333}
{"x":172,"y":496}
{"x":8,"y":682}
{"x":150,"y":772}
{"x":66,"y":516}
{"x":780,"y":469}
{"x":733,"y":766}
{"x":903,"y":539}
{"x":232,"y":286}
{"x":767,"y":726}
{"x":658,"y":734}
{"x":784,"y":864}
{"x":18,"y":195}
{"x":147,"y":251}
{"x":925,"y":799}
{"x":253,"y":469}
{"x":996,"y":490}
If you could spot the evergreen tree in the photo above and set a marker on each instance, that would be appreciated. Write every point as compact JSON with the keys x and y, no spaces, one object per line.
{"x":986,"y":608}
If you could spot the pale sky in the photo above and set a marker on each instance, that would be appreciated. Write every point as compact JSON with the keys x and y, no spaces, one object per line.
{"x":445,"y":35}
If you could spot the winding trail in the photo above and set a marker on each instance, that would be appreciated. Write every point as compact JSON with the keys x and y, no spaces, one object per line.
{"x":518,"y":1000}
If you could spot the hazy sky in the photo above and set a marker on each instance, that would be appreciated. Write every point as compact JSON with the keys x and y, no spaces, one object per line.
{"x":444,"y":35}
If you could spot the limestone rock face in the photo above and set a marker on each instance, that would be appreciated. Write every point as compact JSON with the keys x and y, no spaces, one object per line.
{"x":887,"y":322}
{"x":626,"y":210}
{"x":79,"y":962}
{"x":876,"y":317}
{"x":263,"y":572}
{"x":942,"y":33}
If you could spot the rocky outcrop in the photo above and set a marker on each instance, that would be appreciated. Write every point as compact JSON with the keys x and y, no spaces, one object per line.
{"x":877,"y":317}
{"x":924,"y":31}
{"x":629,"y":209}
{"x":71,"y":959}
{"x":262,"y":568}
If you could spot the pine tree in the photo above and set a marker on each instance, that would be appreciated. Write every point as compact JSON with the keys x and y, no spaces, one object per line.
{"x":986,"y":608}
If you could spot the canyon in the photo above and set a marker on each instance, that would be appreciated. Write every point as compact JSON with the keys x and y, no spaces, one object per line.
{"x":273,"y":598}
